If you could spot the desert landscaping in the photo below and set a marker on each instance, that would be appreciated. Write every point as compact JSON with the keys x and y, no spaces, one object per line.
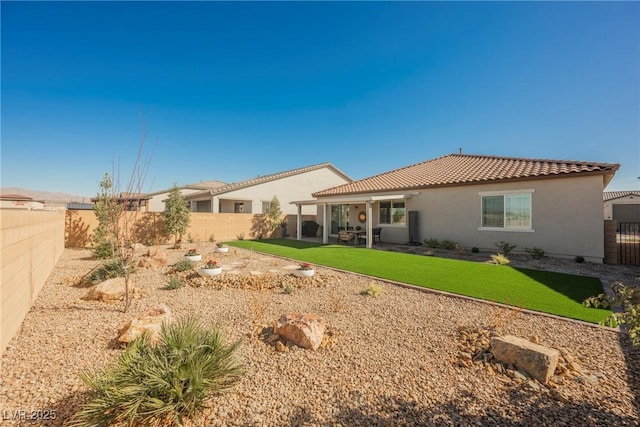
{"x":403,"y":357}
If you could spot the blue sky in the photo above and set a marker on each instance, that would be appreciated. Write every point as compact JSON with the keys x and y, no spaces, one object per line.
{"x":235,"y":90}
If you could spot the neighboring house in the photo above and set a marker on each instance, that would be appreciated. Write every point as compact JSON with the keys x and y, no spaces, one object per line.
{"x":18,"y":201}
{"x":255,"y":195}
{"x":623,"y":206}
{"x":158,"y":198}
{"x":131,"y":201}
{"x":476,"y":201}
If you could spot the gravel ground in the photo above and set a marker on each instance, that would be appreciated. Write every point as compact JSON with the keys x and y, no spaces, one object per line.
{"x":391,"y":360}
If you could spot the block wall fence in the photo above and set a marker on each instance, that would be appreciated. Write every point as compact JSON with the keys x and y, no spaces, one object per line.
{"x":148,"y":227}
{"x":31,"y":244}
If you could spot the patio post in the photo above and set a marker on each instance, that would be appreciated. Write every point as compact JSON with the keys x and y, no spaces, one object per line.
{"x":369,"y":225}
{"x":299,"y":222}
{"x":326,"y":224}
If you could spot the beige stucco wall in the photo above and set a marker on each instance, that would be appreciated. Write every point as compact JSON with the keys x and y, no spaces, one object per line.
{"x":287,"y":189}
{"x":156,"y":203}
{"x":566,"y":216}
{"x":31,"y":244}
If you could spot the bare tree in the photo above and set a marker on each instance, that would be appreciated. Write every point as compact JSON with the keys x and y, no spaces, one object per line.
{"x":129,"y":198}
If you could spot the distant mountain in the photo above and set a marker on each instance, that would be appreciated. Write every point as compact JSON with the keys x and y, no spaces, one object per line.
{"x":47,"y":196}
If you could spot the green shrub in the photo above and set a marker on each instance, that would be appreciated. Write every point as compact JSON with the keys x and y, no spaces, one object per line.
{"x":448,"y":245}
{"x":103,"y":250}
{"x":288,"y":289}
{"x":240,"y":236}
{"x":372,"y":291}
{"x":500,"y":259}
{"x":431,"y":243}
{"x":108,"y":270}
{"x":627,"y":298}
{"x":475,"y":250}
{"x":579,"y":259}
{"x":150,"y":384}
{"x":505,"y":247}
{"x":174,"y":283}
{"x":536,"y":253}
{"x":184,"y":265}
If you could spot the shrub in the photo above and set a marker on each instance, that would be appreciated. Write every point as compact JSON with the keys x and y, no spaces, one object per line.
{"x":431,"y":243}
{"x":505,"y":247}
{"x":184,"y":265}
{"x":500,"y":259}
{"x":372,"y":291}
{"x":536,"y":253}
{"x":103,"y":250}
{"x":174,"y":283}
{"x":151,"y":383}
{"x":108,"y":270}
{"x":579,"y":259}
{"x":288,"y":289}
{"x":475,"y":250}
{"x":627,"y":298}
{"x":240,"y":236}
{"x":448,"y":245}
{"x":212,"y":238}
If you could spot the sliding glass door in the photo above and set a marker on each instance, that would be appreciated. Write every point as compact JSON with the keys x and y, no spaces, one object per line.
{"x":339,"y":217}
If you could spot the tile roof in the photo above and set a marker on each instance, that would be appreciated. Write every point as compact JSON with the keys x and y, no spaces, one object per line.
{"x":266,"y":178}
{"x":611,"y":195}
{"x":461,"y":169}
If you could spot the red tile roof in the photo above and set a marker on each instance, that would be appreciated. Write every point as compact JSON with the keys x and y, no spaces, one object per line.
{"x":461,"y":169}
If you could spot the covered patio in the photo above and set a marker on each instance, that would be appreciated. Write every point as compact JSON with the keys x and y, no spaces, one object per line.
{"x":359,"y":207}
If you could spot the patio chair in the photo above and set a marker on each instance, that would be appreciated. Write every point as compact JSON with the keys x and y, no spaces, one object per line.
{"x":376,"y":234}
{"x":345,"y":237}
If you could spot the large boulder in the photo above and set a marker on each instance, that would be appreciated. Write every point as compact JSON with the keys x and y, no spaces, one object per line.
{"x":151,"y":321}
{"x":536,"y":360}
{"x":305,"y":330}
{"x":109,"y":290}
{"x":153,"y":259}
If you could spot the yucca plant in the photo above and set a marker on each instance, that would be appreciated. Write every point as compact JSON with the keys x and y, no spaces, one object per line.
{"x":164,"y":382}
{"x":108,"y":270}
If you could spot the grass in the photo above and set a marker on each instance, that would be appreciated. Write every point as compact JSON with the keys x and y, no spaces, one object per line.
{"x":547,"y":292}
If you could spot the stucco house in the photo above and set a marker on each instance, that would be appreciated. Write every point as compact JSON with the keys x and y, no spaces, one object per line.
{"x":18,"y":201}
{"x":254,"y":195}
{"x":157,"y":199}
{"x":476,"y":201}
{"x":623,"y":206}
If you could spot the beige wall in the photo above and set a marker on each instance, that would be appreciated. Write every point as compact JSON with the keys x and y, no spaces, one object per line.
{"x":80,"y":226}
{"x":32,"y":242}
{"x":566,"y":216}
{"x":287,"y":189}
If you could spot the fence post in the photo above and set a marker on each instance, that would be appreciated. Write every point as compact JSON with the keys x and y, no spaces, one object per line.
{"x":610,"y":241}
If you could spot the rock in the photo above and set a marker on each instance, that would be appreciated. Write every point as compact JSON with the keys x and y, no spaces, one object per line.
{"x":151,"y":321}
{"x":536,"y":360}
{"x":588,"y":379}
{"x":153,"y":259}
{"x":280,"y":347}
{"x":109,"y":290}
{"x":302,"y":329}
{"x":559,"y":396}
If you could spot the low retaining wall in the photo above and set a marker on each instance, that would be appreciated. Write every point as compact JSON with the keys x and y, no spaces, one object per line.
{"x":31,"y":244}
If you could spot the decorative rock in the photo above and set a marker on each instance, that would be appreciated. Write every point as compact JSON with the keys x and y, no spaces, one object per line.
{"x":302,"y":329}
{"x":280,"y":347}
{"x":534,"y":359}
{"x":152,"y":321}
{"x":109,"y":290}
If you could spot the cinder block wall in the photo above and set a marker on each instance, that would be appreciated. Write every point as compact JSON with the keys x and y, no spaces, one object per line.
{"x":610,"y":243}
{"x":31,"y":244}
{"x":223,"y":226}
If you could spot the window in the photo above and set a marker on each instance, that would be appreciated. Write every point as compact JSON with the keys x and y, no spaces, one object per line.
{"x":266,"y":206}
{"x":509,"y":211}
{"x":392,"y":213}
{"x":238,"y":207}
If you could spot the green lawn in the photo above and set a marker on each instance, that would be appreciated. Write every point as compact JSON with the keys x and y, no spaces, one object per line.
{"x":554,"y":293}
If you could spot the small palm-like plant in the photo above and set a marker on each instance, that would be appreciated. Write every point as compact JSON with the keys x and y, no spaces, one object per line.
{"x":164,"y":382}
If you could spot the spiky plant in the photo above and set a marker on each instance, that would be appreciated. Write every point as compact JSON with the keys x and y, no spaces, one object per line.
{"x":164,"y":382}
{"x":108,"y":270}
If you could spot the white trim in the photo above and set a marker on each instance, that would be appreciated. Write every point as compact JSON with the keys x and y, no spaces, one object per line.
{"x":512,"y":230}
{"x":503,"y":192}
